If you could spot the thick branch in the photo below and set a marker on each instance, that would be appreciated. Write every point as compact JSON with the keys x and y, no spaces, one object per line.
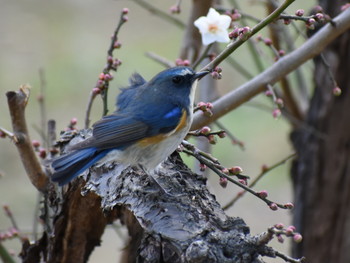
{"x":281,"y":68}
{"x":17,"y":102}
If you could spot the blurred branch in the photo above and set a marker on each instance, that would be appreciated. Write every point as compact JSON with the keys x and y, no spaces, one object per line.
{"x":17,"y":102}
{"x":281,"y":68}
{"x":192,"y":41}
{"x":5,"y":255}
{"x":160,"y":13}
{"x":257,"y":179}
{"x":234,"y":45}
{"x":161,"y":60}
{"x":105,"y":77}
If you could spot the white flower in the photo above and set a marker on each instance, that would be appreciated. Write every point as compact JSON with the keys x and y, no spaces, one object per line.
{"x":213,"y":27}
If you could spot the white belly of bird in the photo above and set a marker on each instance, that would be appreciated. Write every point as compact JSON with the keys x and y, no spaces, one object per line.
{"x":149,"y":156}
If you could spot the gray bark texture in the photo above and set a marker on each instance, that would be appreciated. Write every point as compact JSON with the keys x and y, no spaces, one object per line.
{"x":170,"y":216}
{"x":321,"y":174}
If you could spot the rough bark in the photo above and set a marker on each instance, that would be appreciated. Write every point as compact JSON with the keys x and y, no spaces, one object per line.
{"x":321,"y":174}
{"x":171,"y":217}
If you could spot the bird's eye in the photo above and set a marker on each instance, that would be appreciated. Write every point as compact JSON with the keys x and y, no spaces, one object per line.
{"x":177,"y":79}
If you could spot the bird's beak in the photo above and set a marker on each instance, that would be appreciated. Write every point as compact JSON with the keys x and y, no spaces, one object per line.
{"x":200,"y":75}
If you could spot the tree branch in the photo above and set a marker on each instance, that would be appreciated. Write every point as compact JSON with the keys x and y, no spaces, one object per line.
{"x":17,"y":102}
{"x":281,"y":68}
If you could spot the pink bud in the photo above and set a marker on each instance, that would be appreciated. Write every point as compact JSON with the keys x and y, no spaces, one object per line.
{"x":273,"y":206}
{"x":299,"y":12}
{"x":205,"y":130}
{"x":117,"y":44}
{"x":297,"y":238}
{"x":276,"y":113}
{"x":215,"y":75}
{"x":212,"y":139}
{"x":222,"y":134}
{"x":175,"y":9}
{"x":268,"y":93}
{"x":280,"y":238}
{"x":42,"y":153}
{"x":96,"y":91}
{"x":125,"y":11}
{"x":102,"y":76}
{"x":179,"y":62}
{"x":35,"y":143}
{"x":223,"y":182}
{"x":289,"y":205}
{"x":268,"y":41}
{"x":234,"y":33}
{"x":236,"y":170}
{"x":311,"y":21}
{"x":209,"y":105}
{"x":281,"y":52}
{"x":293,"y":228}
{"x":286,"y":21}
{"x":2,"y":134}
{"x":319,"y":16}
{"x":186,"y":62}
{"x":202,"y":167}
{"x":263,"y":194}
{"x":279,"y":226}
{"x":337,"y":91}
{"x":125,"y":18}
{"x":243,"y":181}
{"x":279,"y":102}
{"x":73,"y":121}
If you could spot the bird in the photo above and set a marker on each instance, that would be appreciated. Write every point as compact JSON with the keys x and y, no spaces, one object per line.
{"x":150,"y":121}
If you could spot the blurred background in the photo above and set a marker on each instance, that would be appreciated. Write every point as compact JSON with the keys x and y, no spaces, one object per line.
{"x":68,"y":40}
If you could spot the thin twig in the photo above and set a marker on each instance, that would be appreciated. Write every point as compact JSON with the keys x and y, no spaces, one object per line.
{"x":161,"y":60}
{"x":278,"y":70}
{"x":42,"y":105}
{"x":219,"y":172}
{"x":288,"y":258}
{"x":234,"y":45}
{"x":160,"y":13}
{"x":202,"y":56}
{"x":257,"y":179}
{"x":111,"y":65}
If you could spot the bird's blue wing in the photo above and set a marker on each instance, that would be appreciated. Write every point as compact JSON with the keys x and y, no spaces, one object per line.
{"x":127,"y":94}
{"x":117,"y":131}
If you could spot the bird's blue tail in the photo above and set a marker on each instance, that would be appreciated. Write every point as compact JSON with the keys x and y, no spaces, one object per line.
{"x":67,"y":167}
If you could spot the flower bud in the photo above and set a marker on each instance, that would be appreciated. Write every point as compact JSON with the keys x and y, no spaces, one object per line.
{"x":276,"y":113}
{"x":73,"y":121}
{"x":235,"y":170}
{"x":289,"y":205}
{"x":273,"y":206}
{"x":223,"y":182}
{"x":35,"y":143}
{"x":279,"y":226}
{"x":280,"y":238}
{"x":299,"y":12}
{"x":297,"y":238}
{"x":268,"y":41}
{"x":263,"y":194}
{"x":205,"y":130}
{"x":125,"y":11}
{"x":337,"y":91}
{"x":42,"y":153}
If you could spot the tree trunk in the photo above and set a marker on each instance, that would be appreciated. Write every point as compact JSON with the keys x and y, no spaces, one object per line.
{"x":321,"y":174}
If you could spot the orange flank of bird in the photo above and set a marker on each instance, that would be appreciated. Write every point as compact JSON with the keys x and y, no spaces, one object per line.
{"x":160,"y":137}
